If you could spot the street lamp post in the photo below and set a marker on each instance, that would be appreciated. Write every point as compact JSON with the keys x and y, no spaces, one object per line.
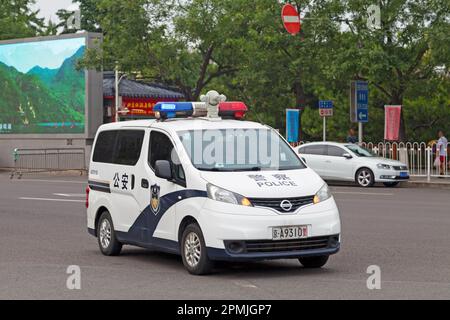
{"x":117,"y":97}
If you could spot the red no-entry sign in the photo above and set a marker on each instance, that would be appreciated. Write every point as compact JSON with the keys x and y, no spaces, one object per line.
{"x":291,"y":19}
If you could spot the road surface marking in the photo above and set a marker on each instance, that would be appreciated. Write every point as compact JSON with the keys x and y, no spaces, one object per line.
{"x":245,"y":284}
{"x":53,"y":181}
{"x":70,"y":195}
{"x":54,"y":200}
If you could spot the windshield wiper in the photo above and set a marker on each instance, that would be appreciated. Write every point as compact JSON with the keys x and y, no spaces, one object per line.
{"x":210,"y":169}
{"x":248,"y":169}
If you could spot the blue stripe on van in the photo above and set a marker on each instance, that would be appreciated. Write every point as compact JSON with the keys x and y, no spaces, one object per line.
{"x":141,"y":233}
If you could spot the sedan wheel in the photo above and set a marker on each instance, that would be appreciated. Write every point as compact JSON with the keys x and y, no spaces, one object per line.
{"x":365,"y":178}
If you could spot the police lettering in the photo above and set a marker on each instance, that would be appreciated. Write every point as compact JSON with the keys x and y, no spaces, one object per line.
{"x":277,"y":184}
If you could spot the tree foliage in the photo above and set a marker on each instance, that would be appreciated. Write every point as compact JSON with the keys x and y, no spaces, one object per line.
{"x":241,"y":48}
{"x":18,"y":20}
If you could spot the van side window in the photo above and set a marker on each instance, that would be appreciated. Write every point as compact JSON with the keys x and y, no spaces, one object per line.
{"x":104,"y":148}
{"x":161,"y":148}
{"x":122,"y":147}
{"x":128,"y":147}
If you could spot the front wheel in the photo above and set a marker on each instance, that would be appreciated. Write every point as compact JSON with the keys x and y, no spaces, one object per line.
{"x":193,"y":251}
{"x":314,"y":262}
{"x":365,"y":178}
{"x":391,"y":184}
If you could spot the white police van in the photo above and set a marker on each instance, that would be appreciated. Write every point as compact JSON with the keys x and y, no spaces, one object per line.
{"x":208,"y":189}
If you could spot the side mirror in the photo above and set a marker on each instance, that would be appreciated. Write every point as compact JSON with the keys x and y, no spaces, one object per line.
{"x":347,"y":156}
{"x":163,"y":170}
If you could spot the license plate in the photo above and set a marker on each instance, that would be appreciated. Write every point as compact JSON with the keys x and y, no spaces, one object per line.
{"x":290,"y":233}
{"x":404,"y":174}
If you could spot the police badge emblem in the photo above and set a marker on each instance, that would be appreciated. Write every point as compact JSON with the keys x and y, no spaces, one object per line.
{"x":154,"y":201}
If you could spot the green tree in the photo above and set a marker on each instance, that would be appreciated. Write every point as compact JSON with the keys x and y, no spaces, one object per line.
{"x":18,"y":20}
{"x":244,"y":51}
{"x":408,"y":52}
{"x":90,"y":15}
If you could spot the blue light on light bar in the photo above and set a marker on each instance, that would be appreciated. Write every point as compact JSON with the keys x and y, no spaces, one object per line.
{"x":169,"y":110}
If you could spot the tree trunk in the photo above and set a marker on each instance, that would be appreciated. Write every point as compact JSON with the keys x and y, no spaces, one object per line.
{"x":202,"y":75}
{"x":300,"y":100}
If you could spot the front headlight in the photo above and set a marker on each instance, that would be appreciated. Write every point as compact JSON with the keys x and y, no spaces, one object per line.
{"x":384,"y":166}
{"x":323,"y":194}
{"x":222,"y":195}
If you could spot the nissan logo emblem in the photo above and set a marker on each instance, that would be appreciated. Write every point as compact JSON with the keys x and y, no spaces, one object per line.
{"x":286,"y":205}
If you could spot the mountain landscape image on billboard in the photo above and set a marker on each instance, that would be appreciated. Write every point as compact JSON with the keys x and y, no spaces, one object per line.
{"x":41,"y":89}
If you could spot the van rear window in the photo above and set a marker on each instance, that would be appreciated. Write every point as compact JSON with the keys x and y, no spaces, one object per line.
{"x":104,"y":148}
{"x":128,"y":147}
{"x":119,"y":147}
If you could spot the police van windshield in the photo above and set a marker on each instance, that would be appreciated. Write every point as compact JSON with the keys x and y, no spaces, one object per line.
{"x":233,"y":150}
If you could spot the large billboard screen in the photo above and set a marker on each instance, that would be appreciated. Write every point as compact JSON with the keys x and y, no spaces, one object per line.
{"x":41,"y":90}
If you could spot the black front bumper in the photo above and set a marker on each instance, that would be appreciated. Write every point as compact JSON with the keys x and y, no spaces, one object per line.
{"x":272,"y":250}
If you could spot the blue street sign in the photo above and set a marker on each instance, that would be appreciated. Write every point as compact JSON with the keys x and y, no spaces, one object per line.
{"x":325,"y":104}
{"x":292,"y":125}
{"x":363,"y":115}
{"x":362,"y":101}
{"x":326,"y":108}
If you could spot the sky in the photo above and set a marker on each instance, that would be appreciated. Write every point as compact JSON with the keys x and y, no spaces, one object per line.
{"x":48,"y":8}
{"x":46,"y":54}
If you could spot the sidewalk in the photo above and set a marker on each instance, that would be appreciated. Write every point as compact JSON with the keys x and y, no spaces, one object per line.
{"x":433,"y":183}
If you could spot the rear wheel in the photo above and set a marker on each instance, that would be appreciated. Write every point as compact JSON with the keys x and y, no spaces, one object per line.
{"x":314,"y":262}
{"x":391,"y":184}
{"x":106,"y":236}
{"x":193,"y":251}
{"x":365,"y":178}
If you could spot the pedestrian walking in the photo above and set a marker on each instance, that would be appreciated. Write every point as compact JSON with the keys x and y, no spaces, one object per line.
{"x":352,"y":138}
{"x":441,"y":152}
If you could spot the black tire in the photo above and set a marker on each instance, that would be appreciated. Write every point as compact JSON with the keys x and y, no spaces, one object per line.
{"x":314,"y":262}
{"x":365,"y":178}
{"x":112,"y":247}
{"x":192,"y":245}
{"x":391,"y":184}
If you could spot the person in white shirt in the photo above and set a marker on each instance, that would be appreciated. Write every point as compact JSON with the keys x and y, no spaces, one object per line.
{"x":441,"y":151}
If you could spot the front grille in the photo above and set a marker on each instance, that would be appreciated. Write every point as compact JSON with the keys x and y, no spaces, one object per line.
{"x":276,"y":203}
{"x":400,"y":168}
{"x":267,"y":246}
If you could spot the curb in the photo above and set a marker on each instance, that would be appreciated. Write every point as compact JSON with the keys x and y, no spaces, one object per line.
{"x":430,"y":185}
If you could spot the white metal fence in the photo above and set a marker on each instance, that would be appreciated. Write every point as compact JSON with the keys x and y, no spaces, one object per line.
{"x":419,"y":156}
{"x":48,"y":160}
{"x":422,"y":158}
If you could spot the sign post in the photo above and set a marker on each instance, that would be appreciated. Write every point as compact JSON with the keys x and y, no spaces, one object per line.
{"x":359,"y":105}
{"x":326,"y":109}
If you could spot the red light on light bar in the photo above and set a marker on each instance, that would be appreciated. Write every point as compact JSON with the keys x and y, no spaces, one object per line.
{"x":234,"y":110}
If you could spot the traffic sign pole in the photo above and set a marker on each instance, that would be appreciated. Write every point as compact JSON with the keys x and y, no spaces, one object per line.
{"x":359,"y":105}
{"x":324,"y":129}
{"x":360,"y":132}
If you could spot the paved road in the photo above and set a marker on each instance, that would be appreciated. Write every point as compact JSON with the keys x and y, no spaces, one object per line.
{"x":403,"y":231}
